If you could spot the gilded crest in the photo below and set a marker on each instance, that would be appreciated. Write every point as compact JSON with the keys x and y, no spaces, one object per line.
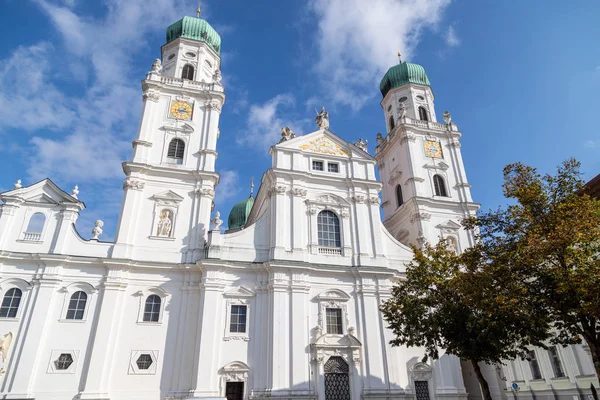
{"x":324,"y":145}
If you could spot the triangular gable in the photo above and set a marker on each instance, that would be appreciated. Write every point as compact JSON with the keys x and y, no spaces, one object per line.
{"x":324,"y":141}
{"x":169,"y":195}
{"x":44,"y":191}
{"x":449,"y":226}
{"x":239,"y":292}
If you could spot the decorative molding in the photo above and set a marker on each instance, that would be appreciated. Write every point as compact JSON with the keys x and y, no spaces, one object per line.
{"x":313,"y":210}
{"x":441,"y":165}
{"x":406,"y":136}
{"x":345,"y":213}
{"x":424,"y":216}
{"x":381,"y":165}
{"x":299,"y":192}
{"x":133,"y":184}
{"x":151,"y":95}
{"x":277,"y":189}
{"x":454,"y":143}
{"x":205,"y":192}
{"x":357,"y":198}
{"x":374,"y":200}
{"x":324,"y":145}
{"x":448,"y":227}
{"x":463,"y":185}
{"x":142,"y":143}
{"x":185,"y":129}
{"x":212,"y":105}
{"x":414,"y":179}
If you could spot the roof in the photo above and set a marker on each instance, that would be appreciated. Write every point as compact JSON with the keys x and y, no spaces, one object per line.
{"x":239,"y":213}
{"x":196,"y":29}
{"x":593,"y":187}
{"x":402,"y":74}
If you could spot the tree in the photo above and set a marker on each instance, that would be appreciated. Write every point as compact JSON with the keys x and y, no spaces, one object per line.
{"x":455,"y":303}
{"x":550,"y":240}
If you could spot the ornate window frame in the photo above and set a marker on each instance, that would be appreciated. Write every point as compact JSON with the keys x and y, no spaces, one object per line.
{"x":341,"y":208}
{"x":333,"y":298}
{"x":133,"y":367}
{"x":420,"y":371}
{"x":168,"y":200}
{"x":30,"y":212}
{"x":449,"y":232}
{"x":143,"y":295}
{"x":235,"y":371}
{"x":54,"y":354}
{"x":25,"y":288}
{"x":237,"y":297}
{"x":71,"y":289}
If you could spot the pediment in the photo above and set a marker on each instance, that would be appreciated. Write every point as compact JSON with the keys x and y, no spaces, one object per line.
{"x":324,"y":142}
{"x":169,"y":195}
{"x":184,"y":128}
{"x":420,"y":367}
{"x":44,"y":192}
{"x":449,"y":226}
{"x":328,"y":199}
{"x":239,"y":292}
{"x":337,"y":341}
{"x":441,"y":165}
{"x":333,"y":294}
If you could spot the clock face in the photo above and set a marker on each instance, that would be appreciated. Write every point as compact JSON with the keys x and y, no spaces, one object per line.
{"x":181,"y":110}
{"x":433,"y":149}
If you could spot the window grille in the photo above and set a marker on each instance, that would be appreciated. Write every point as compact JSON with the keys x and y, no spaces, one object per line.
{"x":10,"y":303}
{"x":328,"y":226}
{"x":334,"y":321}
{"x":423,"y":114}
{"x":533,"y":364}
{"x":152,"y":308}
{"x":144,"y":361}
{"x":77,"y":305}
{"x":399,"y":199}
{"x":556,"y":364}
{"x":176,"y":149}
{"x":440,"y":187}
{"x":332,"y":167}
{"x":422,"y":390}
{"x":188,"y":72}
{"x":317,"y":165}
{"x":238,"y":319}
{"x":64,"y":361}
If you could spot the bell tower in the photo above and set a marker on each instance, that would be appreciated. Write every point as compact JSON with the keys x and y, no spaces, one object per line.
{"x":426,"y":194}
{"x":170,"y":182}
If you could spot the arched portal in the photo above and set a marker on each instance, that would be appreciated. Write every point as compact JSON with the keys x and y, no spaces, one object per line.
{"x":337,"y":379}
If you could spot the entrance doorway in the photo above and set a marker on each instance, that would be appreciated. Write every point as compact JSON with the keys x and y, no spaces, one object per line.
{"x":234,"y":390}
{"x":337,"y":379}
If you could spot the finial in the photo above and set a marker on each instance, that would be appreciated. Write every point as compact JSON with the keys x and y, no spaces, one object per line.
{"x":17,"y":184}
{"x":399,"y":58}
{"x":198,"y":10}
{"x":75,"y":191}
{"x":252,"y":186}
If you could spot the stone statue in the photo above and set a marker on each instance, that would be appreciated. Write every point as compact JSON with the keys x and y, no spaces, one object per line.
{"x":4,"y":347}
{"x":379,"y":138}
{"x":322,"y":119}
{"x":165,"y":223}
{"x":97,"y":231}
{"x":217,"y":221}
{"x":447,"y":117}
{"x":401,"y":111}
{"x":361,"y":145}
{"x":75,"y":191}
{"x":286,"y":134}
{"x":156,"y":66}
{"x":217,"y":76}
{"x":18,"y":185}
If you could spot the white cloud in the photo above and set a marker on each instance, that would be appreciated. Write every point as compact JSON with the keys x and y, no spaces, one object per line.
{"x":228,"y":187}
{"x":264,"y":123}
{"x":592,"y":144}
{"x":451,"y":37}
{"x":358,"y":41}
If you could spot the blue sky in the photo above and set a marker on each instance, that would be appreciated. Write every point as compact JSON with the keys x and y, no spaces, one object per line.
{"x":521,"y":79}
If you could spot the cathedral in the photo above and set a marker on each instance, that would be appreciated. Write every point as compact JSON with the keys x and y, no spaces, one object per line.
{"x":284,"y":303}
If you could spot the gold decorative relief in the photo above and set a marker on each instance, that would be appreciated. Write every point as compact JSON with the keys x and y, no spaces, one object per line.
{"x":324,"y":145}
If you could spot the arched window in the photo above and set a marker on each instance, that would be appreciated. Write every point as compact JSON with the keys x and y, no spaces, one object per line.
{"x":36,"y":223}
{"x":328,"y":226}
{"x":423,"y":114}
{"x":392,"y":123}
{"x":10,"y":303}
{"x":175,"y":152}
{"x":440,"y":187}
{"x":152,"y":308}
{"x":188,"y":72}
{"x":77,"y":305}
{"x":399,"y":199}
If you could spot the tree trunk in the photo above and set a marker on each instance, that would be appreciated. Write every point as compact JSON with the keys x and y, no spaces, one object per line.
{"x":485,"y":388}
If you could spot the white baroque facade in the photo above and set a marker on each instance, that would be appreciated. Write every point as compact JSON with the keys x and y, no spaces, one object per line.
{"x":285,"y":305}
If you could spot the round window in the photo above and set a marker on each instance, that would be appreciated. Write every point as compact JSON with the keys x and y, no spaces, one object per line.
{"x":172,"y":56}
{"x":402,"y":99}
{"x":390,"y":107}
{"x":208,"y":64}
{"x":190,"y":54}
{"x":420,"y":98}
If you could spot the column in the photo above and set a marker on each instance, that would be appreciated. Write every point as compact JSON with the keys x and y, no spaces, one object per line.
{"x":279,"y":285}
{"x":299,"y":332}
{"x":105,"y":332}
{"x":68,"y":217}
{"x":372,"y":344}
{"x":128,"y":217}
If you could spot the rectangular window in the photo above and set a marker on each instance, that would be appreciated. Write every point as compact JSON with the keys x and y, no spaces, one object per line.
{"x":332,"y":167}
{"x":334,"y":321}
{"x":422,"y":390}
{"x":533,"y":364}
{"x":238,"y":319}
{"x":317,"y":165}
{"x":556,"y":364}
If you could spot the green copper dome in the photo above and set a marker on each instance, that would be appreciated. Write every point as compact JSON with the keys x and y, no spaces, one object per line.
{"x":239,"y":213}
{"x":196,"y":29}
{"x":402,"y":74}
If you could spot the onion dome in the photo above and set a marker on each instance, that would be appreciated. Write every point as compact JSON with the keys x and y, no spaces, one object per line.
{"x":196,"y":29}
{"x":239,"y":213}
{"x":402,"y":74}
